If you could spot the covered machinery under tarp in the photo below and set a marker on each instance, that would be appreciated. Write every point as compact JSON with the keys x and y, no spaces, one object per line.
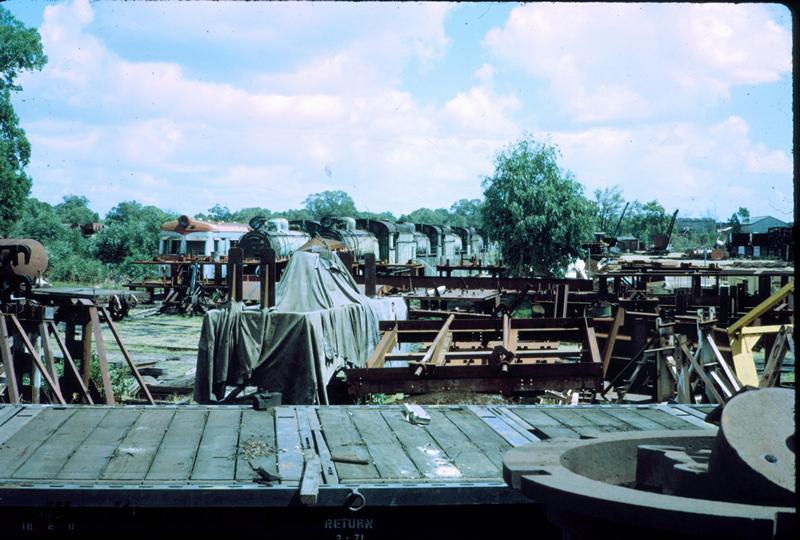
{"x":320,"y":323}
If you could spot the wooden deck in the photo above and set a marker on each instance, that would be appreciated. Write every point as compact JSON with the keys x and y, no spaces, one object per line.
{"x":340,"y":473}
{"x":80,"y":449}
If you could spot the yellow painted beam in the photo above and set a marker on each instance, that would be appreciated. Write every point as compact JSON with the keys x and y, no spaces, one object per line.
{"x":761,"y":308}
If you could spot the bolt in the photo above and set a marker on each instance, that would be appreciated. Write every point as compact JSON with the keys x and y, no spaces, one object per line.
{"x":770,"y":458}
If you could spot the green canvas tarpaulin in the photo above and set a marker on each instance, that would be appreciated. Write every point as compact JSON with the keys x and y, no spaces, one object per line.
{"x":320,"y":323}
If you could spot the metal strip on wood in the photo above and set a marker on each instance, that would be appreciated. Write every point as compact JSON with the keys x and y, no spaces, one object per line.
{"x":329,"y":475}
{"x":290,"y":448}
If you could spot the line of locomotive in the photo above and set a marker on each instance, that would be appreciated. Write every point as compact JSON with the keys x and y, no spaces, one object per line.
{"x":391,"y":243}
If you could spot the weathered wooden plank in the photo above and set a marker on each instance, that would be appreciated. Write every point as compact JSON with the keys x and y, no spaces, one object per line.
{"x":423,"y":450}
{"x":51,"y":456}
{"x":633,"y":418}
{"x":290,"y":447}
{"x":575,"y":421}
{"x":687,"y":417}
{"x":507,"y":430}
{"x":256,"y":444}
{"x":89,"y":460}
{"x":464,"y":454}
{"x":175,"y":457}
{"x":545,"y":424}
{"x":329,"y":475}
{"x":387,"y":453}
{"x":14,"y":423}
{"x":343,"y":439}
{"x":665,"y":419}
{"x":311,"y":478}
{"x":20,"y":446}
{"x":485,"y":438}
{"x":216,"y":456}
{"x":7,"y":411}
{"x":134,"y":455}
{"x":602,"y":420}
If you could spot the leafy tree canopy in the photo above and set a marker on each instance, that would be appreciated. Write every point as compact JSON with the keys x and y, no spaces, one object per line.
{"x":535,"y":210}
{"x":608,"y":206}
{"x":440,"y":216}
{"x":467,"y":213}
{"x":20,"y":50}
{"x":330,"y":203}
{"x":75,"y":209}
{"x":246,"y":214}
{"x":744,"y":214}
{"x":381,"y":216}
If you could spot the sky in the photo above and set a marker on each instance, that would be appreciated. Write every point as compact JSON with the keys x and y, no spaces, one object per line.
{"x":185,"y":105}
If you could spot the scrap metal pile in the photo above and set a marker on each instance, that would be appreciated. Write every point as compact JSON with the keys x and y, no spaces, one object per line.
{"x":29,"y":319}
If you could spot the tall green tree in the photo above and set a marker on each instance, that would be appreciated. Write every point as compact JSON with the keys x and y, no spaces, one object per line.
{"x":535,"y":209}
{"x":646,"y":220}
{"x":744,"y":215}
{"x":20,"y":50}
{"x":75,"y":209}
{"x":608,"y":206}
{"x":466,"y":213}
{"x":439,"y":216}
{"x":131,"y":233}
{"x":330,"y":203}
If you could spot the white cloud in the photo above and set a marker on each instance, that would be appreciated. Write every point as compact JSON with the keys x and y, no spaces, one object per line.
{"x":480,"y":110}
{"x":344,"y":115}
{"x":682,"y":165}
{"x":632,"y":61}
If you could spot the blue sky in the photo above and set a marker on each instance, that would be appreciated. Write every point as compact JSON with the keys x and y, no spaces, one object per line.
{"x":403,"y":105}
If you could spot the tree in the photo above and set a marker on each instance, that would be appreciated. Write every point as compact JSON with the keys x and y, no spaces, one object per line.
{"x":440,"y":216}
{"x":246,"y":214}
{"x":535,"y":210}
{"x":20,"y":50}
{"x":330,"y":203}
{"x":744,"y":214}
{"x":608,"y":205}
{"x":76,"y":209}
{"x":466,"y":213}
{"x":131,"y":233}
{"x":378,"y":216}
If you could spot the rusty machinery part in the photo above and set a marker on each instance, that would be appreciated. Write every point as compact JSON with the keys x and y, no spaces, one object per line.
{"x":509,"y":309}
{"x":22,"y":262}
{"x":667,"y":484}
{"x":32,"y":264}
{"x":184,"y":221}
